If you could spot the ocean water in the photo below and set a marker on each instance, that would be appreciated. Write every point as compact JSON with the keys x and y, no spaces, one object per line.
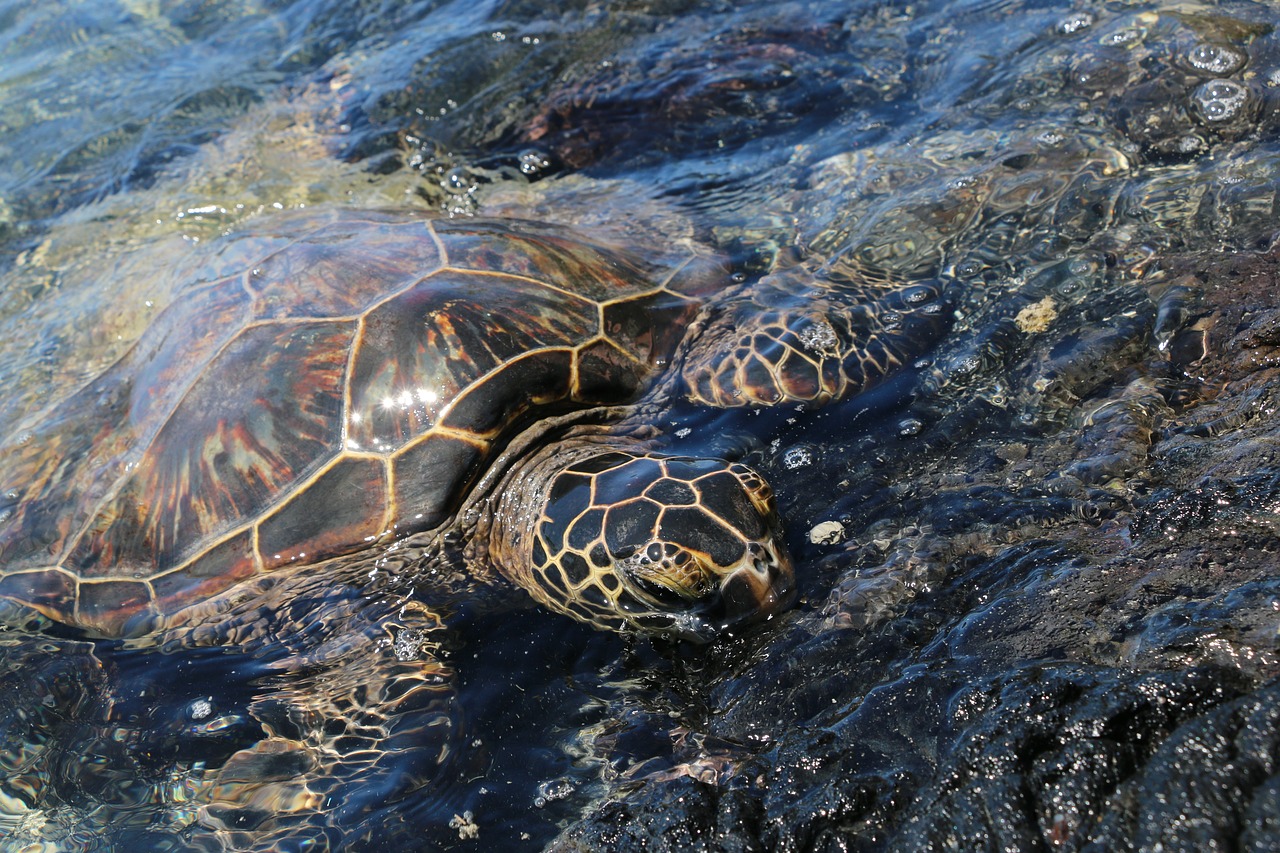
{"x":1045,"y":535}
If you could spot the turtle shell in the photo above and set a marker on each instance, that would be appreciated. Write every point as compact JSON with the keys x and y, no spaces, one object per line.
{"x":343,"y":378}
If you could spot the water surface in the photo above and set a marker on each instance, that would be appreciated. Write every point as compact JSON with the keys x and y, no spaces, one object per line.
{"x":1061,"y":514}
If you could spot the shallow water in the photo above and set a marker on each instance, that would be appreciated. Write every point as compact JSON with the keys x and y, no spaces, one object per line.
{"x":1061,"y":511}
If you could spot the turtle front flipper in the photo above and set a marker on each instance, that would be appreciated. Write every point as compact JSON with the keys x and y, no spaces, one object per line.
{"x":795,"y":339}
{"x":620,"y":537}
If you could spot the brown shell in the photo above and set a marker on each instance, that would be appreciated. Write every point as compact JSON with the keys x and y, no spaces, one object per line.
{"x":348,"y":381}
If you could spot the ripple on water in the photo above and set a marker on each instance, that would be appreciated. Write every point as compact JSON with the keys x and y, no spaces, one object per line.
{"x":890,"y":133}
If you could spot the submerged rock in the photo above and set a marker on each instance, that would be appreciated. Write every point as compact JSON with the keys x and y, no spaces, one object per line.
{"x":1100,"y":676}
{"x":1040,"y":592}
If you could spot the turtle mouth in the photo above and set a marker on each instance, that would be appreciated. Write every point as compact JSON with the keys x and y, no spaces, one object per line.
{"x":756,"y":589}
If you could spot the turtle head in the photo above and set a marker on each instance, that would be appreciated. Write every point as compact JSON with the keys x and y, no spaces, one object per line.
{"x":673,"y":545}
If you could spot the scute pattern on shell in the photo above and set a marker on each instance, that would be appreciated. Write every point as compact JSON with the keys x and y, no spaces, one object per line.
{"x":364,"y":362}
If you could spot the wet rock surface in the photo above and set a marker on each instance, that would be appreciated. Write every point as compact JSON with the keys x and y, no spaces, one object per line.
{"x":1083,"y":647}
{"x":1048,"y":757}
{"x":1040,"y":591}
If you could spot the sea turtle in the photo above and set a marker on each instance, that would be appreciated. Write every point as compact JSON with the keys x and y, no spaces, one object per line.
{"x":344,"y":378}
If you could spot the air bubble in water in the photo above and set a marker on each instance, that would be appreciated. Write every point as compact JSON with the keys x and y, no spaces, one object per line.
{"x":1220,"y":101}
{"x":797,"y":457}
{"x":819,"y":336}
{"x":1074,"y":23}
{"x":908,"y":427}
{"x":1080,"y":266}
{"x":1215,"y":58}
{"x":1125,"y":37}
{"x":408,"y":644}
{"x":458,"y":180}
{"x":533,"y":163}
{"x":552,"y":790}
{"x":1188,"y":144}
{"x":965,"y":364}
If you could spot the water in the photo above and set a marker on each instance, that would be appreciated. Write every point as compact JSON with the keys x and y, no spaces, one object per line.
{"x":1035,"y":563}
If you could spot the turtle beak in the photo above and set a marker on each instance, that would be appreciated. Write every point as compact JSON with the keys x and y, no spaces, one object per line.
{"x":758,"y":589}
{"x":756,"y":594}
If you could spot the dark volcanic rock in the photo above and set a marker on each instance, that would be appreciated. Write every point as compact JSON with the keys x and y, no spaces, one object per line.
{"x":1053,"y":757}
{"x":1073,"y":645}
{"x":1104,"y":760}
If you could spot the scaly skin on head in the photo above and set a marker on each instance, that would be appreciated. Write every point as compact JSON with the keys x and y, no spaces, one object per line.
{"x":614,"y":535}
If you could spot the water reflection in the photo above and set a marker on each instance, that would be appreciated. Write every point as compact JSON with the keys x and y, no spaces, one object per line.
{"x":1055,"y":520}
